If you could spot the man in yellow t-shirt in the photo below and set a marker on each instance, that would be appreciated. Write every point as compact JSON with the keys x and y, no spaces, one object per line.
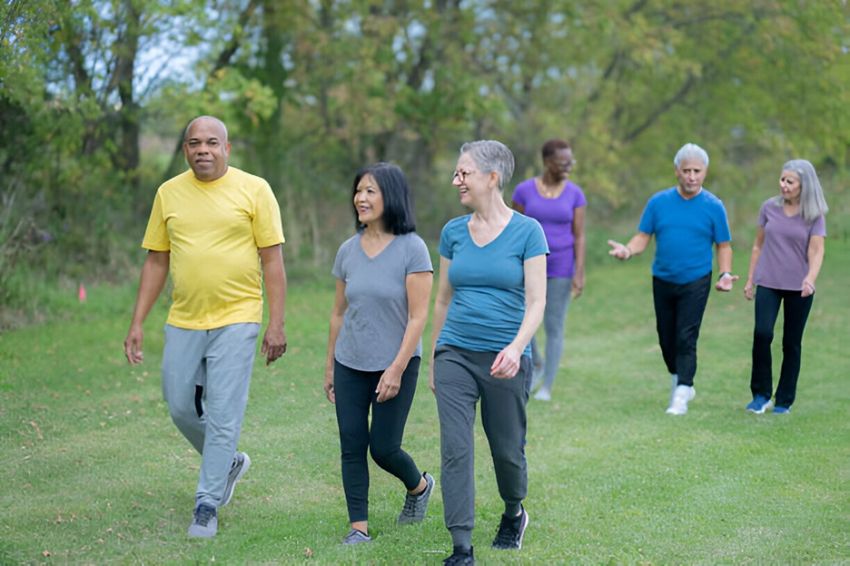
{"x":217,"y":230}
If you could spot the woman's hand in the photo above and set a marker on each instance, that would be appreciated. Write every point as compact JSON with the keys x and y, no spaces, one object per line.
{"x":506,"y":364}
{"x":749,"y":290}
{"x":577,"y":286}
{"x":389,"y":384}
{"x":808,"y":288}
{"x":329,"y":386}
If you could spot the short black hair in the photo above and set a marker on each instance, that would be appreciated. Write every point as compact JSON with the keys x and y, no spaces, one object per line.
{"x":551,"y":146}
{"x":398,"y":207}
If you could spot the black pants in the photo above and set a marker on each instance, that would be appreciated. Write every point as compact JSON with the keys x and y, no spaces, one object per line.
{"x":796,"y":313}
{"x":678,"y":316}
{"x":355,"y":396}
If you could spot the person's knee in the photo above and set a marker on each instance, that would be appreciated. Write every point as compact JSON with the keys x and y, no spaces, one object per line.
{"x":383,"y":454}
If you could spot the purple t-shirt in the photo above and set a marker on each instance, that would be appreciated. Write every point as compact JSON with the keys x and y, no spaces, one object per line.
{"x":784,"y":259}
{"x":556,"y":217}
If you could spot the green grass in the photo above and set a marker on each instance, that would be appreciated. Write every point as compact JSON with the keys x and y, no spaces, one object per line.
{"x":94,"y":472}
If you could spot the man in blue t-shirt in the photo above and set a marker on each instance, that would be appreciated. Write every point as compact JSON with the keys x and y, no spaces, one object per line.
{"x":686,"y":221}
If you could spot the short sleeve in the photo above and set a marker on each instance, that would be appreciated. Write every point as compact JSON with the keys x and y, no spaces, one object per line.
{"x":535,"y":243}
{"x":339,"y":270}
{"x":647,"y":218}
{"x":579,"y":200}
{"x":762,"y":221}
{"x":268,"y":229}
{"x":156,"y":234}
{"x":445,"y":241}
{"x":520,"y":194}
{"x":419,"y":259}
{"x":722,"y":233}
{"x":818,"y":227}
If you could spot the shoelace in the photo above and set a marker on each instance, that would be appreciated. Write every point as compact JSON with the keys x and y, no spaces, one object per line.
{"x":203,"y":515}
{"x":507,"y":534}
{"x":409,"y":508}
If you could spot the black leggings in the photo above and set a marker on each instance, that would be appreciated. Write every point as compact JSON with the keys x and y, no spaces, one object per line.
{"x":355,"y":395}
{"x":796,"y":313}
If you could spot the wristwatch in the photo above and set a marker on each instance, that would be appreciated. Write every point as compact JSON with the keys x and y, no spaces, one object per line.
{"x":724,"y":274}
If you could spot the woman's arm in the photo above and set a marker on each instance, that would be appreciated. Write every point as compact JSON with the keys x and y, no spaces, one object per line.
{"x":337,"y":314}
{"x":749,"y":286}
{"x":578,"y":249}
{"x":507,"y":361}
{"x":441,"y":307}
{"x":816,"y":250}
{"x":418,"y":296}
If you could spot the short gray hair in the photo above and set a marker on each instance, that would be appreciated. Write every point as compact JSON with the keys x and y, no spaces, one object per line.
{"x":491,"y":156}
{"x":812,"y":202}
{"x":690,"y":151}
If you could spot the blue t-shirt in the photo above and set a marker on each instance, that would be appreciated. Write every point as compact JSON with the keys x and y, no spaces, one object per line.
{"x":685,"y":231}
{"x":488,"y":303}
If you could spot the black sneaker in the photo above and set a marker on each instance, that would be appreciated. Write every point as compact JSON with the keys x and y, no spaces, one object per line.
{"x":511,"y":531}
{"x":204,"y":523}
{"x":460,"y":557}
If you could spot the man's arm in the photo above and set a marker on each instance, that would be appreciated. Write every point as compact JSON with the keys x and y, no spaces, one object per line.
{"x":274,"y":277}
{"x":636,"y":246}
{"x":151,"y":282}
{"x":724,"y":265}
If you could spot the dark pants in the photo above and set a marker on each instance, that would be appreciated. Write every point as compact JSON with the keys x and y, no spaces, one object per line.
{"x":678,"y":316}
{"x":796,"y":312}
{"x":462,"y":378}
{"x":355,"y":396}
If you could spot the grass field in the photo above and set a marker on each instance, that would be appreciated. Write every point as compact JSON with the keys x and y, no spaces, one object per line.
{"x":94,"y":472}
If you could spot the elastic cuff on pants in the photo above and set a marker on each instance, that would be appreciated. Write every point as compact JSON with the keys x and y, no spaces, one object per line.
{"x":461,"y":537}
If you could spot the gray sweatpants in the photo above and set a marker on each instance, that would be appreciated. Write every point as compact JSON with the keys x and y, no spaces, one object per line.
{"x":220,"y":361}
{"x":461,"y":378}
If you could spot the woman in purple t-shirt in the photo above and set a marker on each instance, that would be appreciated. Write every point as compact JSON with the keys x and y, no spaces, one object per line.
{"x":558,"y":204}
{"x":785,"y":262}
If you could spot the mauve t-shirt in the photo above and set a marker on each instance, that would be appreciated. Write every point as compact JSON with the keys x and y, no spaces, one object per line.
{"x":784,"y":259}
{"x":556,"y":217}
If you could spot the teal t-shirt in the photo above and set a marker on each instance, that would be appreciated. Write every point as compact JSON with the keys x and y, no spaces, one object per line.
{"x":488,"y":302}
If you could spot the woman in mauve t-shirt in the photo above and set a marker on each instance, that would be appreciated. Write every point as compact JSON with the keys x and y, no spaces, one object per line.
{"x":784,"y":265}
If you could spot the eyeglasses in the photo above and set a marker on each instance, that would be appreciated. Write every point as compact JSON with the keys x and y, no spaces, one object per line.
{"x":462,"y":175}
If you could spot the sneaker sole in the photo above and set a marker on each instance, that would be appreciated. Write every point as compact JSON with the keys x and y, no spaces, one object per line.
{"x":765,"y":408}
{"x":246,"y":463}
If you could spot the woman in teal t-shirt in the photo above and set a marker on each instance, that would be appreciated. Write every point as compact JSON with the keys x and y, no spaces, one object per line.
{"x":490,"y":301}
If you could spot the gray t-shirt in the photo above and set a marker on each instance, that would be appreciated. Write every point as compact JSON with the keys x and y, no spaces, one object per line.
{"x":376,"y":318}
{"x":784,"y":259}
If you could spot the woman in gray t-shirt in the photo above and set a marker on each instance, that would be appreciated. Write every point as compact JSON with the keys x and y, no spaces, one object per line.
{"x":383,"y":286}
{"x":784,"y":265}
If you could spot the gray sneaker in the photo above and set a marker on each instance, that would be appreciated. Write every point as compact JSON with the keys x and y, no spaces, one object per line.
{"x":356,"y":537}
{"x":204,"y":523}
{"x":415,"y":506}
{"x":240,"y":465}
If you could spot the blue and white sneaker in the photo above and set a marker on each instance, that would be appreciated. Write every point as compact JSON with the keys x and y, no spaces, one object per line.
{"x":779,"y":410}
{"x":759,"y":405}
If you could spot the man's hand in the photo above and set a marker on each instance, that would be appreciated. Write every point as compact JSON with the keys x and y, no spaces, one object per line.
{"x":725,"y":282}
{"x":274,"y":344}
{"x":133,"y":345}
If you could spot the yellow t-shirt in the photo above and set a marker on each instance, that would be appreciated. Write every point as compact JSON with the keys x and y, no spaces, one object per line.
{"x":213,"y":231}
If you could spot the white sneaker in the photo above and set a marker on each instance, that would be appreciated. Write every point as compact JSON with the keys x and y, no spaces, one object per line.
{"x":543,"y":394}
{"x":679,"y":402}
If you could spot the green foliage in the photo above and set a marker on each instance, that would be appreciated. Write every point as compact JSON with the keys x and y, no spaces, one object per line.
{"x":95,"y":95}
{"x":95,"y":472}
